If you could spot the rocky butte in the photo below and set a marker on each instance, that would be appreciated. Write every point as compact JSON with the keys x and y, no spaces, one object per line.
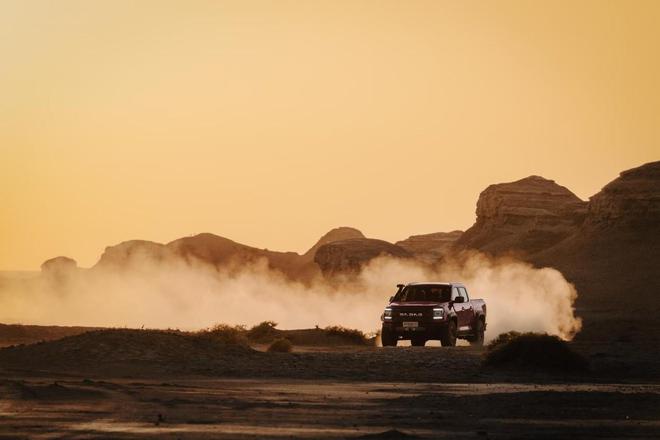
{"x":523,"y":217}
{"x":613,"y":257}
{"x":348,"y":256}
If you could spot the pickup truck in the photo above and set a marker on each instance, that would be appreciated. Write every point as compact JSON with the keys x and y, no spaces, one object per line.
{"x":420,"y":312}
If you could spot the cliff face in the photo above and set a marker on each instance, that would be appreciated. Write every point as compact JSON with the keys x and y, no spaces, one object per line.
{"x":631,"y":199}
{"x":430,"y":247}
{"x":348,"y":256}
{"x":613,"y":256}
{"x":524,"y":217}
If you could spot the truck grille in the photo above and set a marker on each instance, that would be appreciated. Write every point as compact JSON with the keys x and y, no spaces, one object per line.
{"x":412,"y":314}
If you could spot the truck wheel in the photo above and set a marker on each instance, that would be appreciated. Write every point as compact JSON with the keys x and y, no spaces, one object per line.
{"x":478,"y":338}
{"x":448,"y":336}
{"x":387,"y":338}
{"x":417,"y":342}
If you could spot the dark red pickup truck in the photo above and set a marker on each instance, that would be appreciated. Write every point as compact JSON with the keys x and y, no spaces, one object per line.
{"x":420,"y":312}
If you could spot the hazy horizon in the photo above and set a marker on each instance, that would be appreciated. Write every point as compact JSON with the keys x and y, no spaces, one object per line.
{"x":272,"y":123}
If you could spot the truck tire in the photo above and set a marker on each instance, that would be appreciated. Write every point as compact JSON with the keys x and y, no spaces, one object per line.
{"x":448,"y":335}
{"x":387,"y":338}
{"x":477,"y":339}
{"x":418,"y":342}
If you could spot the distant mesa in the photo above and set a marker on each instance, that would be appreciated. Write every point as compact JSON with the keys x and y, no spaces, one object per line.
{"x":218,"y":252}
{"x":430,"y":247}
{"x":336,"y":234}
{"x":616,"y":233}
{"x":348,"y":256}
{"x":214,"y":249}
{"x":524,"y":217}
{"x":225,"y":253}
{"x":132,"y":253}
{"x":58,"y":270}
{"x":59,"y":265}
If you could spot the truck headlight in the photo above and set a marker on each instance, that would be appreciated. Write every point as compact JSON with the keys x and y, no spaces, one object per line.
{"x":387,"y":314}
{"x":438,"y":313}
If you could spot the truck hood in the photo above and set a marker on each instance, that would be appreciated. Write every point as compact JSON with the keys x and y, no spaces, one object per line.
{"x":416,"y":304}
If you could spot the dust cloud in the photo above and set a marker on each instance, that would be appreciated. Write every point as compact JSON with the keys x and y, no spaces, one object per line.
{"x":178,"y":294}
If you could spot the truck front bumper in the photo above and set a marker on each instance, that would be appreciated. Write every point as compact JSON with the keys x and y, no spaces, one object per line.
{"x":424,"y":329}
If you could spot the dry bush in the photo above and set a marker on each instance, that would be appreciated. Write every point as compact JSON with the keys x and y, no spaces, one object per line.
{"x":348,"y":334}
{"x":281,"y":345}
{"x":264,"y":331}
{"x":502,"y":339}
{"x":541,"y":352}
{"x":225,"y":334}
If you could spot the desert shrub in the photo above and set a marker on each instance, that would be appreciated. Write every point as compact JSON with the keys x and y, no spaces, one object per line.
{"x":353,"y":336}
{"x":502,"y":339}
{"x":281,"y":345}
{"x":263,"y":332}
{"x":537,"y":351}
{"x":226,"y":334}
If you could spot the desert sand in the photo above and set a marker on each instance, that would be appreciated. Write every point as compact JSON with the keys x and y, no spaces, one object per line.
{"x":153,"y":384}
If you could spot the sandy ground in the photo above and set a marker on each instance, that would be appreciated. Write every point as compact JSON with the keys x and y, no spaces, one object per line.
{"x":159,"y":385}
{"x":187,"y":408}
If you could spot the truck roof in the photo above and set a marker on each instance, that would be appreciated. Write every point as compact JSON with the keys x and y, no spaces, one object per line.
{"x":435,"y":283}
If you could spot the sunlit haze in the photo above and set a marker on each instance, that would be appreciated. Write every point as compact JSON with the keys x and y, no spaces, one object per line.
{"x":272,"y":122}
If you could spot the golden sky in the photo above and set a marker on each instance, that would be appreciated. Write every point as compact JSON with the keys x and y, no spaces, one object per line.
{"x":270,"y":122}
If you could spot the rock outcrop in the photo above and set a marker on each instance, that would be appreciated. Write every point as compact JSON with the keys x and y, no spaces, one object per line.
{"x":348,"y":256}
{"x":430,"y":247}
{"x":59,"y":269}
{"x":336,"y":234}
{"x":133,"y":254}
{"x":223,"y":252}
{"x":523,"y":217}
{"x":215,"y":250}
{"x":218,"y":252}
{"x":632,"y":199}
{"x":59,"y":264}
{"x":613,"y":256}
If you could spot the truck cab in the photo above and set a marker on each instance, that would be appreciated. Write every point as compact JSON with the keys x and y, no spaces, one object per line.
{"x":424,"y":311}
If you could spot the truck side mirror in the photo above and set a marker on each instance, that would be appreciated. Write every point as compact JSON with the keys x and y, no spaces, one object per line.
{"x":459,"y":299}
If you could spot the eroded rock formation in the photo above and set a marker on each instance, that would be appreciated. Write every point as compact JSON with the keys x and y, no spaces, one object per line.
{"x":133,"y":254}
{"x":525,"y":216}
{"x":348,"y":256}
{"x":59,"y":264}
{"x":336,"y":234}
{"x":59,"y":269}
{"x":430,"y":247}
{"x":631,"y":199}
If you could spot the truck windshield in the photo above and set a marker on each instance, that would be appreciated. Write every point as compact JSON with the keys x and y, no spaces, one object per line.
{"x":424,"y":292}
